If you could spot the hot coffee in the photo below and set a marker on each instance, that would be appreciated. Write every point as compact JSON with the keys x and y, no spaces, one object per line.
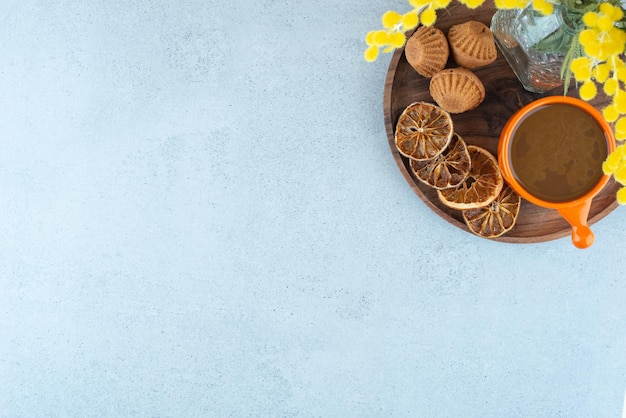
{"x":556,"y":152}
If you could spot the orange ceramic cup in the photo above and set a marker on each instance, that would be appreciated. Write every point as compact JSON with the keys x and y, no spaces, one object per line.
{"x":575,"y":210}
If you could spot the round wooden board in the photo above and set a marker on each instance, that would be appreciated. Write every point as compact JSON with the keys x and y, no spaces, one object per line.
{"x":482,"y":127}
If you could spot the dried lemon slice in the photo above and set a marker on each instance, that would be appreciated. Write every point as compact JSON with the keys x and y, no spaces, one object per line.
{"x":481,"y":186}
{"x":423,"y":131}
{"x":496,"y":218}
{"x":447,"y":169}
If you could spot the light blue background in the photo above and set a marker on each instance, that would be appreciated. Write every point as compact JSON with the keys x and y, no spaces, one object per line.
{"x":201,"y":217}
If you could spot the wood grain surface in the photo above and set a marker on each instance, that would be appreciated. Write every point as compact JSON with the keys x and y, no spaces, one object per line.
{"x":481,"y":126}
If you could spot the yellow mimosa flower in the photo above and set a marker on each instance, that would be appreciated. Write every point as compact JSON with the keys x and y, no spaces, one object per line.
{"x":410,"y":20}
{"x":581,"y":67}
{"x":614,"y":13}
{"x":610,"y":113}
{"x":620,"y":174}
{"x":428,"y":17}
{"x":391,"y":19}
{"x":588,"y":90}
{"x":613,"y":161}
{"x":472,"y":4}
{"x":620,"y":129}
{"x":543,"y":6}
{"x":590,"y":19}
{"x":371,"y":53}
{"x":610,"y":86}
{"x":440,"y":4}
{"x":397,"y":39}
{"x":593,"y":49}
{"x":601,"y":72}
{"x":604,"y":23}
{"x":621,"y":196}
{"x":618,"y":13}
{"x":587,"y":36}
{"x":380,"y":38}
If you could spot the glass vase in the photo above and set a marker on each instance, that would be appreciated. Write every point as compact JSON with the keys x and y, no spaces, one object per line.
{"x":534,"y":44}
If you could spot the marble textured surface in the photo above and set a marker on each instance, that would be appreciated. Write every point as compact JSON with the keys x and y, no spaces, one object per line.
{"x":201,"y":218}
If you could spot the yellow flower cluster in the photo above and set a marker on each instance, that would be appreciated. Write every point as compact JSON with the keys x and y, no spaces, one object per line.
{"x":396,"y":24}
{"x":425,"y":12}
{"x":392,"y":36}
{"x":603,"y":43}
{"x":615,"y":164}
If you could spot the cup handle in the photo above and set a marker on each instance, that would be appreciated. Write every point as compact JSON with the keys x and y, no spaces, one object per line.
{"x":576,"y":216}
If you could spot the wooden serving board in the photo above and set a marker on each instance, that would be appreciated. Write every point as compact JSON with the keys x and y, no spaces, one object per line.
{"x":482,"y":127}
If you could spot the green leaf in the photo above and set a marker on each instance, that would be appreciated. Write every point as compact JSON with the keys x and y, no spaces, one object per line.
{"x":558,"y":42}
{"x":574,"y":52}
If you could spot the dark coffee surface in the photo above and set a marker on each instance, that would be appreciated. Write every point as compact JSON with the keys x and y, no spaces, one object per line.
{"x":557,"y":152}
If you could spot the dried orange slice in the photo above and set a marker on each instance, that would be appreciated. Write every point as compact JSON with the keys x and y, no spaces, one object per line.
{"x":423,"y":131}
{"x":481,"y":186}
{"x":496,"y":218}
{"x":447,"y":169}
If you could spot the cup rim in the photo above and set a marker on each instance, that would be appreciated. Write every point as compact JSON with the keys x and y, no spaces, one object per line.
{"x":506,"y":137}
